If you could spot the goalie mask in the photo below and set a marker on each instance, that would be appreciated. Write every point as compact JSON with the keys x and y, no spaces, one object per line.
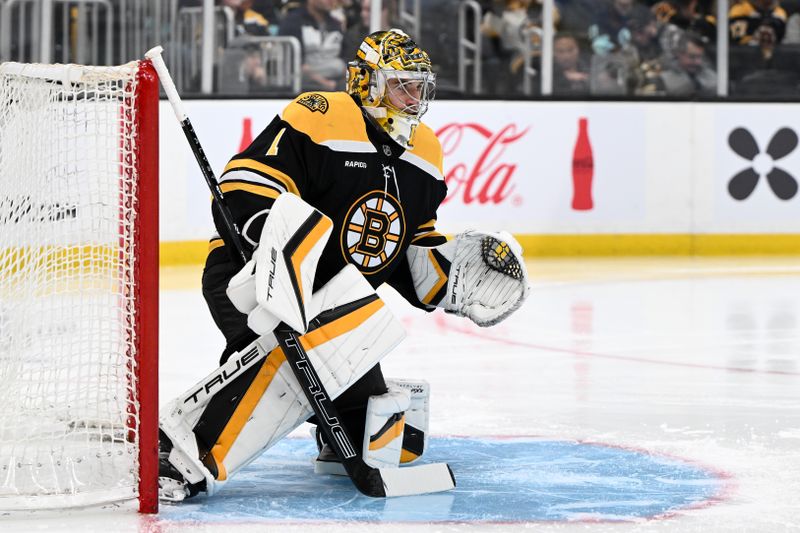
{"x":391,"y":77}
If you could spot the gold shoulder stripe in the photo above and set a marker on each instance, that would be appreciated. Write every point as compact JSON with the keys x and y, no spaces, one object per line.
{"x":214,"y":244}
{"x":253,"y":188}
{"x":252,"y":164}
{"x":341,"y":121}
{"x":427,"y":147}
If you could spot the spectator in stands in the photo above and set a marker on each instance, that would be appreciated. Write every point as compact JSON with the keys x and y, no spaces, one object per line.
{"x":253,"y":72}
{"x":759,"y":23}
{"x":577,"y":15}
{"x":247,"y":21}
{"x":678,"y":16}
{"x":689,"y":74}
{"x":320,"y":37}
{"x":633,"y":63}
{"x":610,"y":29}
{"x":792,"y":8}
{"x":644,"y":51}
{"x":359,"y":27}
{"x":516,"y":28}
{"x":570,"y":69}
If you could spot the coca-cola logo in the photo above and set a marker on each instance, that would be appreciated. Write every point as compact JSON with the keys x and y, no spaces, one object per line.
{"x":480,"y":175}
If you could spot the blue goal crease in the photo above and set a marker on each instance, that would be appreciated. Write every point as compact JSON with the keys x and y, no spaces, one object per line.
{"x":505,"y":480}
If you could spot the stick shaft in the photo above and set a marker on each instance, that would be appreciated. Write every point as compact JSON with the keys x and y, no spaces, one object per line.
{"x":232,"y":236}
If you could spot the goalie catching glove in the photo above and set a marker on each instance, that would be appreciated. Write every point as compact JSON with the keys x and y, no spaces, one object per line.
{"x":478,"y":275}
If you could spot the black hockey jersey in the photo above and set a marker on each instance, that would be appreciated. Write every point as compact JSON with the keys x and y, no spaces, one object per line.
{"x":380,"y":197}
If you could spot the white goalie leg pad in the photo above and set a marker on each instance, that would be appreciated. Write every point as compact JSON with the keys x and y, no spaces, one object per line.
{"x":276,"y":284}
{"x":486,"y":277}
{"x":181,"y":414}
{"x":352,"y":331}
{"x":383,"y":431}
{"x":415,"y":433}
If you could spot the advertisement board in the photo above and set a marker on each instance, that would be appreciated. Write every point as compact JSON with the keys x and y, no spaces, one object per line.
{"x":650,"y":177}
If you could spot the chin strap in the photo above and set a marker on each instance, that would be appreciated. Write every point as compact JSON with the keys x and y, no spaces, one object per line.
{"x":375,"y":112}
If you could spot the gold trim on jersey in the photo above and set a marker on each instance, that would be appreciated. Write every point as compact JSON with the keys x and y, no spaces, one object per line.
{"x":426,"y":153}
{"x":251,"y":164}
{"x":273,"y":148}
{"x":427,"y":226}
{"x":213,"y":244}
{"x":269,"y":368}
{"x":342,"y":120}
{"x":253,"y":188}
{"x":420,"y":236}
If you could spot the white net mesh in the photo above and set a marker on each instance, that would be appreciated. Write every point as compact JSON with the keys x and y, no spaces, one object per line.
{"x":67,"y":212}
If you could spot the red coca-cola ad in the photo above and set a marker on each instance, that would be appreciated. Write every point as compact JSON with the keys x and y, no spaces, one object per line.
{"x":485,"y":175}
{"x":247,"y":134}
{"x":582,"y":169}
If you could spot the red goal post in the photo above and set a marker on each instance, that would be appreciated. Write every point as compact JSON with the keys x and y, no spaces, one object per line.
{"x":78,"y":285}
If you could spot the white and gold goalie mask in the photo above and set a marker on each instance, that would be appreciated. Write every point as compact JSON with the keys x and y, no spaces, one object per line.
{"x":392,"y":79}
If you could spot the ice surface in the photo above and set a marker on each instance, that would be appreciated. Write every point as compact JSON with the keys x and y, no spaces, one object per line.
{"x":693,"y":362}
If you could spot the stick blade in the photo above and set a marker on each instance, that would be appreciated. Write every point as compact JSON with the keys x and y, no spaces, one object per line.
{"x":413,"y":480}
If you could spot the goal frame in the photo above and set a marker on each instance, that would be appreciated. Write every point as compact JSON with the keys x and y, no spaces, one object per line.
{"x":147,"y":263}
{"x":142,"y":419}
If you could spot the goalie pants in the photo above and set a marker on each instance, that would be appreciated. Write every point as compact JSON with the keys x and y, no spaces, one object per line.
{"x":351,"y":404}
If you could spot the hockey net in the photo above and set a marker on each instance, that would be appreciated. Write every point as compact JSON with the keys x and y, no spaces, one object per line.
{"x":78,"y":285}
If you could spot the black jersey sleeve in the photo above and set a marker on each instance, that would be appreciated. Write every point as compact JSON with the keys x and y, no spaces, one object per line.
{"x":276,"y":162}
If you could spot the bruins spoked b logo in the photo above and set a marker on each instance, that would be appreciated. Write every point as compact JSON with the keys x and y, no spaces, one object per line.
{"x":372,"y":231}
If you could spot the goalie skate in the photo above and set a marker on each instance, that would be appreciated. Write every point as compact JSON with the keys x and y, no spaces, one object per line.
{"x":172,"y":486}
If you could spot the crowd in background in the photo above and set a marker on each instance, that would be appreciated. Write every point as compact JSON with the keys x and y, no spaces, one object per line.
{"x":626,"y":48}
{"x":329,"y":32}
{"x":648,"y":47}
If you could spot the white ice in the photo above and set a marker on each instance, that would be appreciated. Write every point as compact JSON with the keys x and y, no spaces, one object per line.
{"x":692,"y":358}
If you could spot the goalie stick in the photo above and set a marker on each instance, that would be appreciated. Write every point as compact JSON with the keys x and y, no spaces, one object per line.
{"x":375,"y":482}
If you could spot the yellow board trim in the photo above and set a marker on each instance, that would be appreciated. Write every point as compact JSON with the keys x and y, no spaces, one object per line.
{"x":260,"y":190}
{"x":340,"y":326}
{"x":252,"y":164}
{"x":659,"y":244}
{"x":269,"y":368}
{"x":392,"y":433}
